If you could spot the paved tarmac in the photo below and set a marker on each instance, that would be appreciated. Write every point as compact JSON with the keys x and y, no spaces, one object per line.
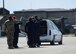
{"x":68,"y":47}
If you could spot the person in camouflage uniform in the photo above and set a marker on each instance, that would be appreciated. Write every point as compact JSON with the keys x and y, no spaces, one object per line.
{"x":9,"y":29}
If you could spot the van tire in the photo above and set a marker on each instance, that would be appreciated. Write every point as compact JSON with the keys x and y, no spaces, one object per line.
{"x":39,"y":43}
{"x":60,"y":43}
{"x":53,"y":41}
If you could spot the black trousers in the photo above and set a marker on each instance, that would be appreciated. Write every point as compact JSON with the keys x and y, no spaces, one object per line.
{"x":37,"y":40}
{"x":31,"y":41}
{"x":15,"y":41}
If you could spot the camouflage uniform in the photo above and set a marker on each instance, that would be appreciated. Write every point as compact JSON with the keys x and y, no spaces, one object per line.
{"x":9,"y":29}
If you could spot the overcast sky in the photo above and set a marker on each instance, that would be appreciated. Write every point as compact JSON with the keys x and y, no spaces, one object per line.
{"x":16,"y":5}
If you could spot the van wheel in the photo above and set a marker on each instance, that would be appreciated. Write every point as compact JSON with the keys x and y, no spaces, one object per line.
{"x":53,"y":41}
{"x":60,"y":43}
{"x":39,"y":43}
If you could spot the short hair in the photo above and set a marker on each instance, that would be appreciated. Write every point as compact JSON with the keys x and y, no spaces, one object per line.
{"x":14,"y":17}
{"x":10,"y":17}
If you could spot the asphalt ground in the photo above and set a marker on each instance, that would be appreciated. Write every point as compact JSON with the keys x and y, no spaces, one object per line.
{"x":68,"y":47}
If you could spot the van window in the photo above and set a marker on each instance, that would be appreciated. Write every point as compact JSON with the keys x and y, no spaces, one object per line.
{"x":43,"y":28}
{"x":54,"y":26}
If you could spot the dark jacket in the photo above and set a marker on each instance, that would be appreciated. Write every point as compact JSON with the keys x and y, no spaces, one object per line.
{"x":17,"y":30}
{"x":30,"y":28}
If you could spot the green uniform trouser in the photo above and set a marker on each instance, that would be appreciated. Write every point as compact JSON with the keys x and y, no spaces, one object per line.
{"x":10,"y":37}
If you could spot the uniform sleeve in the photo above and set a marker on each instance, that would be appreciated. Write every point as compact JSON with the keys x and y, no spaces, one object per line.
{"x":5,"y":27}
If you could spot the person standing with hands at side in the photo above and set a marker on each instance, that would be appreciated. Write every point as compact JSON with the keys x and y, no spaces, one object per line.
{"x":16,"y":33}
{"x":37,"y":31}
{"x":30,"y":30}
{"x":9,"y":30}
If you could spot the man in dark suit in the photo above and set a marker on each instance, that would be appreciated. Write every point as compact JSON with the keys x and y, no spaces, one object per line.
{"x":30,"y":30}
{"x":37,"y":31}
{"x":16,"y":33}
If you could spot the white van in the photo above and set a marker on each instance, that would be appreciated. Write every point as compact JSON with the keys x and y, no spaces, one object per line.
{"x":49,"y":32}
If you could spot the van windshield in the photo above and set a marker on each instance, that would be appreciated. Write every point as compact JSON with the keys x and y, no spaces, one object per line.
{"x":43,"y":28}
